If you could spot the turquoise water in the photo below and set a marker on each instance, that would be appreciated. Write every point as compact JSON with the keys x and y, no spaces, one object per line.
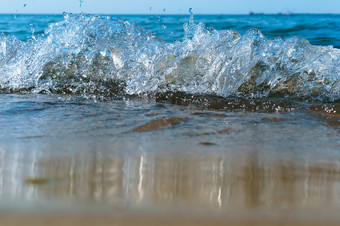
{"x":135,"y":111}
{"x":317,"y":29}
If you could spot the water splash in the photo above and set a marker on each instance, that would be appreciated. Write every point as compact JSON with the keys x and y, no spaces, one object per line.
{"x":100,"y":56}
{"x":32,"y":31}
{"x":191,"y":20}
{"x":190,"y":28}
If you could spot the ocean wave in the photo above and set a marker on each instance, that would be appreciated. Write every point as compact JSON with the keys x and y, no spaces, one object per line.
{"x":100,"y":56}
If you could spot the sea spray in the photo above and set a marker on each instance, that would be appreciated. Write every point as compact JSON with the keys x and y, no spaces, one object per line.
{"x":87,"y":55}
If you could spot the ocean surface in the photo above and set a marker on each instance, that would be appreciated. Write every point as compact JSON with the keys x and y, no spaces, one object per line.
{"x":212,"y":113}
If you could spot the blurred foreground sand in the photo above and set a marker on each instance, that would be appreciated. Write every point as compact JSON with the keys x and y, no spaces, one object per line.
{"x":127,"y":220}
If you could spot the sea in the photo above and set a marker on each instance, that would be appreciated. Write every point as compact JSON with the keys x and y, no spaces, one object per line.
{"x":199,"y":114}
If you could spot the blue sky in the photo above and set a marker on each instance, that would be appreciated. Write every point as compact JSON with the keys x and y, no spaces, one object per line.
{"x":169,"y":6}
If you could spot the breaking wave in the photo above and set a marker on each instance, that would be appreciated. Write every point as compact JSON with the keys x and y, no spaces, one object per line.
{"x":100,"y":56}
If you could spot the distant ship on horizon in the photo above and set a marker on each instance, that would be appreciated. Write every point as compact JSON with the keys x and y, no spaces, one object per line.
{"x":280,"y":13}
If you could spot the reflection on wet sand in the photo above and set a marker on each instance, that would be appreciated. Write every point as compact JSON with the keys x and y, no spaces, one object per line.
{"x":168,"y":179}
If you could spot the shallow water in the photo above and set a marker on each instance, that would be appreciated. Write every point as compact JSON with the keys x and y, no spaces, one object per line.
{"x":82,"y":152}
{"x":169,"y":137}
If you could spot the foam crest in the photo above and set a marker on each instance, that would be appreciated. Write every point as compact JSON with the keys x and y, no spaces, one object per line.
{"x":98,"y":56}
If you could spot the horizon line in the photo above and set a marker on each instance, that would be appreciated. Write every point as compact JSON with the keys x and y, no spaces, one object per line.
{"x":176,"y":14}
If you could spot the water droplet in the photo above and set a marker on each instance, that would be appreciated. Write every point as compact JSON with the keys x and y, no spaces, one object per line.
{"x":32,"y":31}
{"x":191,"y":21}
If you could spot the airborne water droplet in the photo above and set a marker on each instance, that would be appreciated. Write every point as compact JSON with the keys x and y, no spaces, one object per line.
{"x":191,"y":21}
{"x":32,"y":31}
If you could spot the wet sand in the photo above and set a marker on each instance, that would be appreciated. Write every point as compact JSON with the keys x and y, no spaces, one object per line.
{"x":176,"y":189}
{"x":203,"y":181}
{"x":127,"y":220}
{"x":145,"y":163}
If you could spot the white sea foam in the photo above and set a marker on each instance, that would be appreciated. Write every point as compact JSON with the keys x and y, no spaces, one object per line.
{"x":86,"y":54}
